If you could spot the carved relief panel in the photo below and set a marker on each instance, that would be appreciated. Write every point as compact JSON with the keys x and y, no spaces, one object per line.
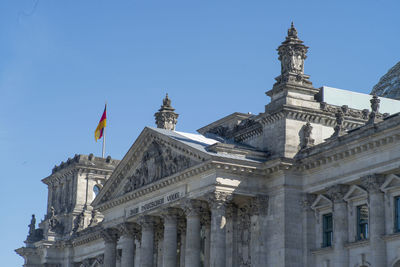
{"x":158,"y":161}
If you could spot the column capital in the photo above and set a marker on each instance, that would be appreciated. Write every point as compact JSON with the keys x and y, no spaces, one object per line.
{"x":337,"y":192}
{"x":259,"y":205}
{"x":129,"y":229}
{"x":231,"y":209}
{"x":182,"y":225}
{"x":171,"y":214}
{"x":206,"y":218}
{"x":193,"y":207}
{"x":373,"y":182}
{"x":148,"y":221}
{"x":219,"y":199}
{"x":110,"y":235}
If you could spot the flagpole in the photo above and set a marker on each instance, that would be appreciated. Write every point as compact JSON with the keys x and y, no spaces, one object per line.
{"x":103,"y":151}
{"x":104,"y":143}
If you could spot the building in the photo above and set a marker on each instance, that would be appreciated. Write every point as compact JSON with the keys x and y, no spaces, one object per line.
{"x":305,"y":183}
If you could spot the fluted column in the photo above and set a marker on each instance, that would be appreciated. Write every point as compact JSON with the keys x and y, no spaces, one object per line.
{"x":340,"y":228}
{"x":206,"y":223}
{"x":376,"y":218}
{"x":147,"y":246}
{"x":137,"y":251}
{"x":217,"y":202}
{"x":128,"y":231}
{"x":258,"y":209}
{"x":182,"y":235}
{"x":170,"y":245}
{"x":193,"y":209}
{"x":110,"y":237}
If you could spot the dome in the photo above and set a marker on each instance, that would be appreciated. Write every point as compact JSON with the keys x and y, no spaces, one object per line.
{"x":389,"y":84}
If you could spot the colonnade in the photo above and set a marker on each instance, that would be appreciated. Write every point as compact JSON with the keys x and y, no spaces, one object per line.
{"x":180,"y":237}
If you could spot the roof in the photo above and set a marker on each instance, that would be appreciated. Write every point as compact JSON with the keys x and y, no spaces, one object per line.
{"x":357,"y":100}
{"x":201,"y":143}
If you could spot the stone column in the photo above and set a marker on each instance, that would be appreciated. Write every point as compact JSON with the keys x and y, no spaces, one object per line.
{"x":159,"y":241}
{"x":170,"y":245}
{"x":340,"y":227}
{"x":258,"y":209}
{"x":182,"y":234}
{"x":217,"y":202}
{"x":110,"y":237}
{"x":206,"y":222}
{"x":376,"y":218}
{"x":147,"y":247}
{"x":137,"y":251}
{"x":193,"y":209}
{"x":129,"y":231}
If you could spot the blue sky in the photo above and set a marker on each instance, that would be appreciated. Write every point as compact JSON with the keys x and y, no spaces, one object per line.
{"x":61,"y":60}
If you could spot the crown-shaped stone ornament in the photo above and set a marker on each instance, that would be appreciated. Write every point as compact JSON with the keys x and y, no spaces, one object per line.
{"x":166,"y":118}
{"x":292,"y":53}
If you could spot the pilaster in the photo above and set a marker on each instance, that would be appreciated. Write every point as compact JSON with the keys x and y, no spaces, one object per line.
{"x":376,"y":218}
{"x":340,"y":230}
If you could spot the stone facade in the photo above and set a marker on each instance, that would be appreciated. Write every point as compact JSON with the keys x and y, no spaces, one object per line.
{"x":304,"y":183}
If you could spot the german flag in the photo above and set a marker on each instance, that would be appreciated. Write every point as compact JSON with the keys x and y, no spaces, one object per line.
{"x":102,"y":124}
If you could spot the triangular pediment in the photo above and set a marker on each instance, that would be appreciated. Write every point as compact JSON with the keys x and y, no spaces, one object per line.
{"x":355,"y":193}
{"x":321,"y":203}
{"x":153,"y":157}
{"x":392,"y":182}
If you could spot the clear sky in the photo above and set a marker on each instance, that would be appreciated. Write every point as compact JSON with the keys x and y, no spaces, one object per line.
{"x":61,"y":60}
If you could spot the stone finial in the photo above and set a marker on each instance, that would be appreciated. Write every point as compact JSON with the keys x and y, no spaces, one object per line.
{"x":292,"y":32}
{"x":292,"y":53}
{"x":374,"y":109}
{"x":166,"y":118}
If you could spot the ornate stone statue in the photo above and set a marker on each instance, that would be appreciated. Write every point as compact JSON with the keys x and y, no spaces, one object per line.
{"x":374,"y":109}
{"x":308,"y":141}
{"x":339,"y":129}
{"x":166,"y":118}
{"x":32,"y":225}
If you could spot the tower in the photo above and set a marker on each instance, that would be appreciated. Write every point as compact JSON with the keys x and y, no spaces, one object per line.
{"x":292,"y":84}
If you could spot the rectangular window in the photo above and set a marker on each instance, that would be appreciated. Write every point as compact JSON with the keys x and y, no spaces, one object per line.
{"x":362,"y":222}
{"x":397,"y":214}
{"x":327,"y":230}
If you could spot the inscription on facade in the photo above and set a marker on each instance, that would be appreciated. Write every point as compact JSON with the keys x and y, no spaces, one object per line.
{"x":156,"y":202}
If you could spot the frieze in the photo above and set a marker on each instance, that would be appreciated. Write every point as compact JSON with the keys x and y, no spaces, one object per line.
{"x":155,"y":202}
{"x":157,"y":162}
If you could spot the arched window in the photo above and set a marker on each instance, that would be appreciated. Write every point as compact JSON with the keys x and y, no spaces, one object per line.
{"x":96,"y":190}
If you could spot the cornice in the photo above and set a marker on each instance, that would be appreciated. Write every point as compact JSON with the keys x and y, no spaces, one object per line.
{"x":357,"y":244}
{"x":66,"y":172}
{"x":321,"y":251}
{"x":343,"y":147}
{"x":319,"y":116}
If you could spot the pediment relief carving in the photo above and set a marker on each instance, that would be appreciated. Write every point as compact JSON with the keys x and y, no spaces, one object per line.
{"x":321,"y":203}
{"x":157,"y":162}
{"x":392,"y":183}
{"x":355,"y":193}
